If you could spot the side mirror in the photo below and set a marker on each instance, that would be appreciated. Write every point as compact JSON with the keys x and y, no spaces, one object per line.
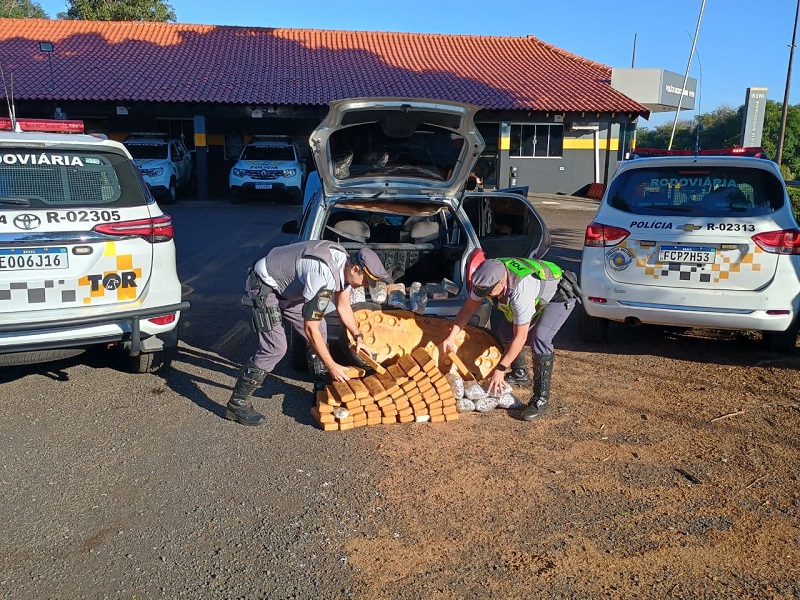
{"x":291,"y":227}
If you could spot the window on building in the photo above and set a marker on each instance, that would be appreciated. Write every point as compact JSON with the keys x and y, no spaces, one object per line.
{"x":537,"y":141}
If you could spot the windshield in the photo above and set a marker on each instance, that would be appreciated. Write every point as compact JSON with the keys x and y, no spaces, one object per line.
{"x":147,"y":150}
{"x":368,"y":150}
{"x":268,"y":153}
{"x":698,"y":191}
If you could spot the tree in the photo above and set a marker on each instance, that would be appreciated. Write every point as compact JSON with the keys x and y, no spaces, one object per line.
{"x":120,"y":10}
{"x":21,"y":9}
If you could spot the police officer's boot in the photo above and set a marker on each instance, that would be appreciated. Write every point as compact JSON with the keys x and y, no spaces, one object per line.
{"x":519,"y":370}
{"x":318,"y":371}
{"x":542,"y":372}
{"x":239,"y":408}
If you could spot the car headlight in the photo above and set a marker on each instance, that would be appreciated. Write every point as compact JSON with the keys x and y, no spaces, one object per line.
{"x":239,"y":172}
{"x":156,"y":172}
{"x":289,"y":172}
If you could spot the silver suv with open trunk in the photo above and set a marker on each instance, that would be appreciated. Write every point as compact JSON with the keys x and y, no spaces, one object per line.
{"x":394,"y":172}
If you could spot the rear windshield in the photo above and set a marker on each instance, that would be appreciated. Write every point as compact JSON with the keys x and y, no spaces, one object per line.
{"x":147,"y":150}
{"x":268,"y":153}
{"x":425,"y":151}
{"x":699,"y":191}
{"x":68,"y":178}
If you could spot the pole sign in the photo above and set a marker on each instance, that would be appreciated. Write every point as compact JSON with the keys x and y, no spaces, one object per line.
{"x":755,"y":105}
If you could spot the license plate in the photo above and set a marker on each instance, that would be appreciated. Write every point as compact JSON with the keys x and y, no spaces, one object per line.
{"x":263,"y":186}
{"x":32,"y":259}
{"x":686,"y":254}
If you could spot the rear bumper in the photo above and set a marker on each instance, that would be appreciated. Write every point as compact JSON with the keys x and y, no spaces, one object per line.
{"x":92,"y":330}
{"x":691,"y":316}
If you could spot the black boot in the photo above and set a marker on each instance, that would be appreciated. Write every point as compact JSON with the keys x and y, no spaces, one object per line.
{"x":542,"y":373}
{"x":519,"y":370}
{"x":318,"y":370}
{"x":239,"y":408}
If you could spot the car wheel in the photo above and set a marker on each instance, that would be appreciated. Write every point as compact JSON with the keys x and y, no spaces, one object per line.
{"x":783,"y":342}
{"x":593,"y":329}
{"x":39,"y":356}
{"x":172,"y":193}
{"x":298,"y":347}
{"x":153,"y":362}
{"x":237,"y":196}
{"x":351,"y":358}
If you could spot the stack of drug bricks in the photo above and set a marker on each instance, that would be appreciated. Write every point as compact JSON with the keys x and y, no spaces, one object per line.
{"x":412,"y":389}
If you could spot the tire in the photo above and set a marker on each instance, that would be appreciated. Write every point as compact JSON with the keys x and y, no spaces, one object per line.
{"x":172,"y":194}
{"x":39,"y":356}
{"x":593,"y":329}
{"x":783,"y":342}
{"x":153,"y":362}
{"x":298,"y":347}
{"x":351,"y":358}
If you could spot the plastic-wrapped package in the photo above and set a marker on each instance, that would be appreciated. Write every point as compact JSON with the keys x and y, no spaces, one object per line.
{"x":450,"y":286}
{"x":485,"y":404}
{"x":418,"y":297}
{"x":474,"y":391}
{"x":397,"y":295}
{"x":509,"y":401}
{"x":456,"y":384}
{"x":340,"y":412}
{"x":357,"y":295}
{"x":436,"y":291}
{"x":465,"y":405}
{"x":504,"y":389}
{"x":419,"y":302}
{"x":377,"y":292}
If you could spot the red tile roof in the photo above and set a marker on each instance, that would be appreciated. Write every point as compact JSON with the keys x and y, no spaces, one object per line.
{"x":176,"y":62}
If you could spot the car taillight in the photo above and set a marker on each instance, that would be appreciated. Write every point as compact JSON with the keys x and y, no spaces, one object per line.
{"x":165,"y":320}
{"x":786,"y":241}
{"x":598,"y":234}
{"x":155,"y":229}
{"x":475,"y":258}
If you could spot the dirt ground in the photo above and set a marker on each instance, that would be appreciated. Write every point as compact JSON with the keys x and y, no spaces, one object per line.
{"x":667,"y":467}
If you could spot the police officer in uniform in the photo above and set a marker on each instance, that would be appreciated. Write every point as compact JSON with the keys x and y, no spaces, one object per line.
{"x":535,"y":297}
{"x":295,"y":283}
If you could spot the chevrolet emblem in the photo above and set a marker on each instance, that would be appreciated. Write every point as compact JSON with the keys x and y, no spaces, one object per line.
{"x":689,"y":227}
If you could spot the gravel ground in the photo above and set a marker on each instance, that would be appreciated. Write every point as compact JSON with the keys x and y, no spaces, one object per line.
{"x":667,"y":467}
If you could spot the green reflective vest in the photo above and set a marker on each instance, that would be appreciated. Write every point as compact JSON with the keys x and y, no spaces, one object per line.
{"x":522,"y":267}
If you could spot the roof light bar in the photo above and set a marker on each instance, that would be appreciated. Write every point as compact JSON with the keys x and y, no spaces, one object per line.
{"x":754,"y":151}
{"x":43,"y":125}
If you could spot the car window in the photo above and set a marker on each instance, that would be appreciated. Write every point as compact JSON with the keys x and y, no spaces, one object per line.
{"x":268,"y":153}
{"x":697,"y":190}
{"x":152,"y":151}
{"x":68,"y":178}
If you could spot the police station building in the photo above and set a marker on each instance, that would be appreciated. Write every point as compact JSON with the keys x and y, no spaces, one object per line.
{"x":552,"y":120}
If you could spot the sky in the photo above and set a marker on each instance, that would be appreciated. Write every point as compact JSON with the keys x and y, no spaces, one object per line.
{"x":741,"y":43}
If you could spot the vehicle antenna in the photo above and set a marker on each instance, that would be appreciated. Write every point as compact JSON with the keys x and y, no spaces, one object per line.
{"x":9,"y":98}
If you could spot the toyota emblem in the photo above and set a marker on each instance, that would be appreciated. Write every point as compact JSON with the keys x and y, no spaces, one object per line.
{"x":27,"y":221}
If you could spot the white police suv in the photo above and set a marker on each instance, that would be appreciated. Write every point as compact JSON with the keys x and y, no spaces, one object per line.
{"x":268,"y":167}
{"x":690,"y":239}
{"x":86,"y":255}
{"x":165,"y":164}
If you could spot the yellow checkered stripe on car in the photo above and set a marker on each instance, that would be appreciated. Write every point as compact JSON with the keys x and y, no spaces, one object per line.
{"x":114,"y":278}
{"x":719,"y":271}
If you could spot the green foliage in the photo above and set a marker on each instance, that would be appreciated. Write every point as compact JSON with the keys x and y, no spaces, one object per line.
{"x":794,"y":196}
{"x":21,"y":9}
{"x":120,"y":10}
{"x":722,"y":128}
